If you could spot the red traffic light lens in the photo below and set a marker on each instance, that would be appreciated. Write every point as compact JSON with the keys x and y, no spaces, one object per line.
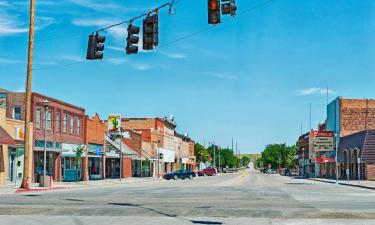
{"x":214,"y":5}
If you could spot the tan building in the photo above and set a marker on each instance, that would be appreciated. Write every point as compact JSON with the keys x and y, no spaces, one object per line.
{"x":11,"y":149}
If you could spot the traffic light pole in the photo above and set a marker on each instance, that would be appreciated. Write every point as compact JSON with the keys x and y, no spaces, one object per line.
{"x":28,"y":151}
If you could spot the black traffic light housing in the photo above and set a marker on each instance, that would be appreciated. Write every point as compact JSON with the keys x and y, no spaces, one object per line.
{"x":132,"y":40}
{"x":214,"y":11}
{"x":150,"y":32}
{"x":95,"y":46}
{"x":229,"y":7}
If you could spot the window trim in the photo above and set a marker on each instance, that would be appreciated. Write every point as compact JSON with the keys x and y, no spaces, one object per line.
{"x":38,"y":121}
{"x":65,"y":123}
{"x":14,"y":113}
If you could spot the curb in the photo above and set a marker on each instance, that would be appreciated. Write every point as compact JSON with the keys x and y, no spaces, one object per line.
{"x":344,"y":184}
{"x":20,"y":190}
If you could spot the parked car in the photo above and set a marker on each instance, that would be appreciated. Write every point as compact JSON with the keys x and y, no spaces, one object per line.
{"x":209,"y":171}
{"x":271,"y":171}
{"x":180,"y":174}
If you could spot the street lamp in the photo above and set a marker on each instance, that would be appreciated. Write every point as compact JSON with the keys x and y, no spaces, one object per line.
{"x":45,"y":105}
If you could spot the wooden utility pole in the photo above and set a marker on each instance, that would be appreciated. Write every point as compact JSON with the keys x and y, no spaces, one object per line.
{"x":28,"y":147}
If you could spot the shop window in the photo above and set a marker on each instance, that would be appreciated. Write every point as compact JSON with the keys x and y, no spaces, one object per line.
{"x":65,"y":122}
{"x":57,"y":122}
{"x":49,"y":120}
{"x":39,"y":144}
{"x":17,"y":113}
{"x":79,"y":126}
{"x":58,"y":145}
{"x":37,"y":117}
{"x":72,"y":125}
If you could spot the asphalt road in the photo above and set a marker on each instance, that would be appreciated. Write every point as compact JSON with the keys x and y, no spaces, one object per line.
{"x":244,"y":198}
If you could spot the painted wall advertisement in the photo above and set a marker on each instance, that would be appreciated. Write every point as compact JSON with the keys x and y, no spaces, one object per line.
{"x":323,"y":141}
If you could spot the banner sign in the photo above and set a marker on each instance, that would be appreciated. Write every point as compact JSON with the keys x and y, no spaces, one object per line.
{"x":114,"y":122}
{"x":20,"y":133}
{"x":323,"y":141}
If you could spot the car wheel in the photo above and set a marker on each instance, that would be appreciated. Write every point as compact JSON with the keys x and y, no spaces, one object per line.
{"x":190,"y":177}
{"x":175,"y":177}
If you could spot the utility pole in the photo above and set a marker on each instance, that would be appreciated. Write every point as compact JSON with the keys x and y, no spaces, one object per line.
{"x":26,"y":180}
{"x":232,"y":144}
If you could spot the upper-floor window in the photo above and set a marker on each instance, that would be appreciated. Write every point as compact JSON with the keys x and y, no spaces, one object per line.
{"x":65,"y":120}
{"x":57,"y":122}
{"x":17,"y":113}
{"x":37,"y":117}
{"x":72,"y":125}
{"x":79,"y":126}
{"x":49,"y":120}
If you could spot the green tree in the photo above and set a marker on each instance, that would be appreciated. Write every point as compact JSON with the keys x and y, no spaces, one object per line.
{"x":245,"y":161}
{"x":78,"y":152}
{"x":201,"y":153}
{"x":278,"y":156}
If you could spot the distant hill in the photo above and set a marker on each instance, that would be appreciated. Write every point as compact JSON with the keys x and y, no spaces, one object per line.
{"x":253,"y":157}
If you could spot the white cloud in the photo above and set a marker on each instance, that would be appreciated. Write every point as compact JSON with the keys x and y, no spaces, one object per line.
{"x":103,"y":7}
{"x":117,"y":61}
{"x":314,"y":91}
{"x":142,"y":67}
{"x":117,"y":32}
{"x":117,"y":49}
{"x":173,"y":55}
{"x":223,"y":76}
{"x":10,"y":61}
{"x":72,"y":58}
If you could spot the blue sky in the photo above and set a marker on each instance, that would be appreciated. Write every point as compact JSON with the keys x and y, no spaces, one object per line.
{"x":251,"y":78}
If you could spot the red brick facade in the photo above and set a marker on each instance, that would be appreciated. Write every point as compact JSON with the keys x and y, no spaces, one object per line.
{"x":356,"y":115}
{"x":370,"y":171}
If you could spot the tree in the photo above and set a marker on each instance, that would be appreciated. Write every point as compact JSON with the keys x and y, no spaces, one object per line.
{"x":201,"y":153}
{"x":279,"y":156}
{"x":245,"y":161}
{"x":78,"y":155}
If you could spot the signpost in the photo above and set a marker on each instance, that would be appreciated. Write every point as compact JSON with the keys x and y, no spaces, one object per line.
{"x":347,"y":174}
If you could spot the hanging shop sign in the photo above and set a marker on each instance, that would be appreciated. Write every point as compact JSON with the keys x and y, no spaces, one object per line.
{"x":114,"y":122}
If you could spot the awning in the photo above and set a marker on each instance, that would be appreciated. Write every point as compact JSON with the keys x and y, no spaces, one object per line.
{"x":5,"y":138}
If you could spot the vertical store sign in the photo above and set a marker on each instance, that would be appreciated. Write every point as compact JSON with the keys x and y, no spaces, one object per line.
{"x":114,"y":122}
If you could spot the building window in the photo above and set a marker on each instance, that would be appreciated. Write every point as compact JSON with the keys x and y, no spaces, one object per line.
{"x":79,"y":126}
{"x":49,"y":120}
{"x":17,"y":113}
{"x":57,"y":122}
{"x":72,"y":125}
{"x":58,"y":146}
{"x":37,"y":117}
{"x":64,"y":122}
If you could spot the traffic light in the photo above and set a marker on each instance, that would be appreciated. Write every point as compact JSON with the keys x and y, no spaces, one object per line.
{"x":229,"y":7}
{"x":95,"y":47}
{"x":150,"y":32}
{"x":132,"y":40}
{"x":213,"y":11}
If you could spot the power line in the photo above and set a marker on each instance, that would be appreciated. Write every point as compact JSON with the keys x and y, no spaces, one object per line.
{"x":173,"y":41}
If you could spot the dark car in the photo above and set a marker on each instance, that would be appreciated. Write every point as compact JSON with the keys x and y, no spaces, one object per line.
{"x":179,"y":174}
{"x":210,"y":171}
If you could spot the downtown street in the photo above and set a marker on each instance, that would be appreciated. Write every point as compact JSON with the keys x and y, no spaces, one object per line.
{"x":247,"y":197}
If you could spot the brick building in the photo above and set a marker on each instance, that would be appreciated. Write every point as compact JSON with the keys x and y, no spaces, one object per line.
{"x":351,"y":119}
{"x":65,"y":131}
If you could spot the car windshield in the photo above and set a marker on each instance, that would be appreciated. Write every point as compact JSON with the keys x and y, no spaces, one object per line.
{"x":187,"y":112}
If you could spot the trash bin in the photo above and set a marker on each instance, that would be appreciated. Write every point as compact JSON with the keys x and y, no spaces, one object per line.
{"x":45,"y":181}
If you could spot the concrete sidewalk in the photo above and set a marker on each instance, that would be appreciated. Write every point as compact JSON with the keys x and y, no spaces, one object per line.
{"x":353,"y":183}
{"x":11,"y":189}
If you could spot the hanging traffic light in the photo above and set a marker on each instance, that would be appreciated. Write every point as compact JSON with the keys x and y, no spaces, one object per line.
{"x":229,"y":7}
{"x":213,"y":11}
{"x":132,"y":40}
{"x":95,"y":47}
{"x":150,"y":32}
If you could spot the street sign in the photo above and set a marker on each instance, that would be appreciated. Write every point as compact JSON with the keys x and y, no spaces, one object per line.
{"x":114,"y":122}
{"x":347,"y":171}
{"x":99,"y":150}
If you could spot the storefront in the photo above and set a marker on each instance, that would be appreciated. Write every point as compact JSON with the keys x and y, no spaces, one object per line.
{"x":71,"y":168}
{"x":112,"y":165}
{"x":167,"y":160}
{"x":52,"y":162}
{"x":95,"y":161}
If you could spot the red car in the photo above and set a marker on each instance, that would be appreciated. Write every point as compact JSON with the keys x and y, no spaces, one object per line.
{"x":210,"y":171}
